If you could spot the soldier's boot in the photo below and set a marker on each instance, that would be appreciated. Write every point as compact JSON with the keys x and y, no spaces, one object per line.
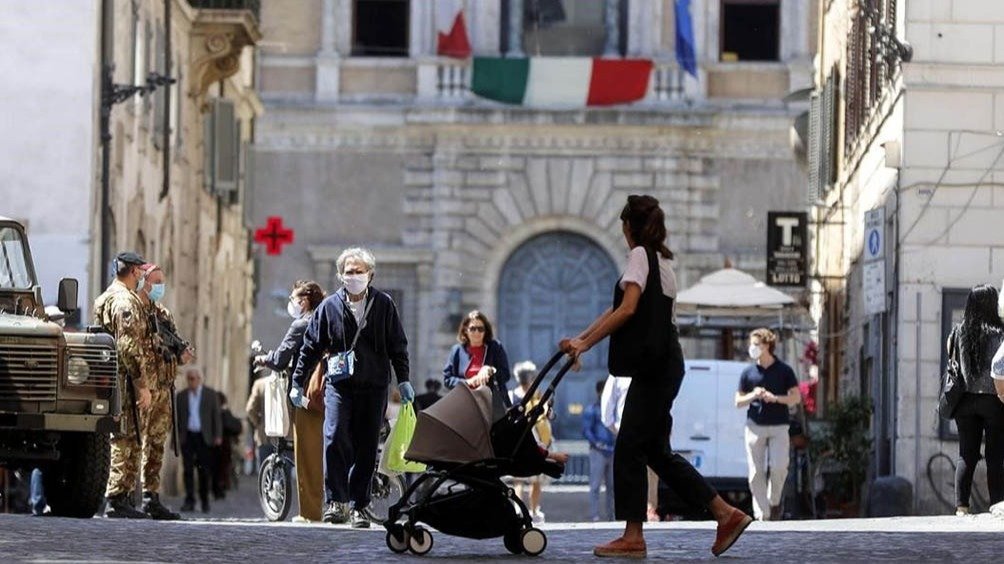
{"x":157,"y":510}
{"x":119,"y":507}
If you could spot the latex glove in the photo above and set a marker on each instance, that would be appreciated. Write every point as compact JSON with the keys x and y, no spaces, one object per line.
{"x":298,"y":398}
{"x":407,"y":392}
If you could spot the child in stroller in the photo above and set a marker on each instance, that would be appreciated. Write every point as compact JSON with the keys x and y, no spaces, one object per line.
{"x":468,"y":450}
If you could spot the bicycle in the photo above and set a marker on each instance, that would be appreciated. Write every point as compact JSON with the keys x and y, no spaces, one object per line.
{"x":941,"y":478}
{"x":277,"y":473}
{"x":275,"y":481}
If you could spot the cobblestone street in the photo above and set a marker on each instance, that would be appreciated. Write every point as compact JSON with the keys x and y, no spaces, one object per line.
{"x":27,"y":539}
{"x":235,"y":531}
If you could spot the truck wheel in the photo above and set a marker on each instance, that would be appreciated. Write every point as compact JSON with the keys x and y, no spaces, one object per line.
{"x":75,"y":484}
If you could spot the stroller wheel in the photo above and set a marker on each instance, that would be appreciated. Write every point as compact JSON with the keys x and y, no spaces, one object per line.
{"x":534,"y":541}
{"x":275,"y":487}
{"x":420,"y":541}
{"x":397,"y":539}
{"x":513,"y":541}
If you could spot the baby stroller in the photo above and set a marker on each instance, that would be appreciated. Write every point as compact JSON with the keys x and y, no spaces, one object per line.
{"x":468,"y":446}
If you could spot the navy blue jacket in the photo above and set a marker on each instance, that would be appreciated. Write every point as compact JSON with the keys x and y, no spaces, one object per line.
{"x":286,"y":356}
{"x":455,"y":371}
{"x":381,"y":344}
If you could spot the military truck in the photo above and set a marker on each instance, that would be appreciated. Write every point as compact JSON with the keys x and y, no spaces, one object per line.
{"x":59,"y":396}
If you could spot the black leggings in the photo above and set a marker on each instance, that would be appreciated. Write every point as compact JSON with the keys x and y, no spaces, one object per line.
{"x":978,"y":415}
{"x":643,"y":441}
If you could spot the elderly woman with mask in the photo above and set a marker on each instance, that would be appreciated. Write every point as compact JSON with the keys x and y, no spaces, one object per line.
{"x":359,"y":328}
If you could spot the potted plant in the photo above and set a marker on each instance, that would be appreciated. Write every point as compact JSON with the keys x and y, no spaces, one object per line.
{"x":845,"y":449}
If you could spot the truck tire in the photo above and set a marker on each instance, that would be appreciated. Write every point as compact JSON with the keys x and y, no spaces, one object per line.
{"x":75,"y":484}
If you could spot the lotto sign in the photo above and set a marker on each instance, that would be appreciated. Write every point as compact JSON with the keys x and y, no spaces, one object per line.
{"x":787,"y":248}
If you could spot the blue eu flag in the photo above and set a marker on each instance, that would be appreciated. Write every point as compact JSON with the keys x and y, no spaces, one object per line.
{"x":685,"y":50}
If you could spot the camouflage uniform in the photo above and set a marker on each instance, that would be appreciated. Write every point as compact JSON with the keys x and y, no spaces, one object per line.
{"x":120,"y":311}
{"x":156,"y":423}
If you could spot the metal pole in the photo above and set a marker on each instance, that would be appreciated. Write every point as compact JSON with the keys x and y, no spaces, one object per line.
{"x":916,"y":429}
{"x":107,"y":68}
{"x":167,"y":101}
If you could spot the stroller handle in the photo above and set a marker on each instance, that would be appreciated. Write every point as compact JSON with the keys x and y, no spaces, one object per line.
{"x":543,"y":374}
{"x":539,"y":407}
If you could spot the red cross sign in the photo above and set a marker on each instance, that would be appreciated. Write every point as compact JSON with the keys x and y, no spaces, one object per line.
{"x":273,"y":235}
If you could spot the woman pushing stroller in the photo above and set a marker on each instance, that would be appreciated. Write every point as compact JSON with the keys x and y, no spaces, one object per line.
{"x":644,"y":344}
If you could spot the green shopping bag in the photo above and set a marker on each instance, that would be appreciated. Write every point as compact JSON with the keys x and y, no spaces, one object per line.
{"x":399,"y":439}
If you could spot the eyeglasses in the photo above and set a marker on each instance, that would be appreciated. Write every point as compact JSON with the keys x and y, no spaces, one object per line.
{"x":476,"y":329}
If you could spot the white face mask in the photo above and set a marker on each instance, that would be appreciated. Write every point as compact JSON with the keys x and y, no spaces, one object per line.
{"x":356,"y":283}
{"x":755,"y":352}
{"x":293,"y":309}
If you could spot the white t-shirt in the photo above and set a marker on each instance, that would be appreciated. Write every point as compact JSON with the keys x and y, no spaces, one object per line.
{"x":637,"y":272}
{"x":997,"y":366}
{"x":612,"y":400}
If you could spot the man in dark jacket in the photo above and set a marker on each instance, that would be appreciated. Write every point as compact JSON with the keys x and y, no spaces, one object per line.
{"x":431,"y":395}
{"x":200,"y":428}
{"x":359,"y":327}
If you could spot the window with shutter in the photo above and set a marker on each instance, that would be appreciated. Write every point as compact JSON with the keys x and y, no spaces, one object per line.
{"x":225,"y":158}
{"x":209,"y":151}
{"x":135,"y":35}
{"x":159,"y":95}
{"x":146,"y":57}
{"x":822,"y":138}
{"x":813,"y":152}
{"x":248,"y":187}
{"x":176,"y":92}
{"x":827,"y":134}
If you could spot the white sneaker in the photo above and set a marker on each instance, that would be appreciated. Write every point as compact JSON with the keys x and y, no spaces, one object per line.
{"x":538,"y":517}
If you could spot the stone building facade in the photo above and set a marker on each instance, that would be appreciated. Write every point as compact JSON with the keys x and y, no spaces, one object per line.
{"x":195,"y":225}
{"x":509,"y":209}
{"x":909,"y":138}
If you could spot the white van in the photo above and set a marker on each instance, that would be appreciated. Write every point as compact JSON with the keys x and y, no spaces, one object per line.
{"x":708,"y":430}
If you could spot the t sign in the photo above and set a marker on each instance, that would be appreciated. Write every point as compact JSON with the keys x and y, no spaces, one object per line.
{"x":787,"y":225}
{"x":787,"y":251}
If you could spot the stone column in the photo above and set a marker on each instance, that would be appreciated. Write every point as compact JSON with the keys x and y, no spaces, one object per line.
{"x":328,"y":27}
{"x":515,"y":29}
{"x":327,"y":81}
{"x":611,"y":22}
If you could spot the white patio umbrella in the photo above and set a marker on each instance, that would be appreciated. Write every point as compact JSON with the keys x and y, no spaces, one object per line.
{"x":733,"y":294}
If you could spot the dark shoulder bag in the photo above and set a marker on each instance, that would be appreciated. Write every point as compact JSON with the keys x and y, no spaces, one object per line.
{"x":645,"y":337}
{"x":953,"y":386}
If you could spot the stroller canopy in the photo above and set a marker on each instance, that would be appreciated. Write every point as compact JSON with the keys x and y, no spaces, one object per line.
{"x":454,"y":429}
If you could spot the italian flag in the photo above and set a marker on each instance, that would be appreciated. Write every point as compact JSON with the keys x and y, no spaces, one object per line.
{"x":561,"y":81}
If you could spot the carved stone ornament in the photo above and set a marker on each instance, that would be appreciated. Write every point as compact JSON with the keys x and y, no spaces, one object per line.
{"x":218,"y":38}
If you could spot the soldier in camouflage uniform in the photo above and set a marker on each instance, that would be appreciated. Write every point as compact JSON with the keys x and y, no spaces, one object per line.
{"x":158,"y":421}
{"x":121,"y":312}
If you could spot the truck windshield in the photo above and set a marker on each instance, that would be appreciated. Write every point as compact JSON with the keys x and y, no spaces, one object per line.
{"x":14,"y":271}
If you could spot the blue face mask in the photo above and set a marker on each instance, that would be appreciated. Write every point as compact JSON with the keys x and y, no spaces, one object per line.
{"x":157,"y":292}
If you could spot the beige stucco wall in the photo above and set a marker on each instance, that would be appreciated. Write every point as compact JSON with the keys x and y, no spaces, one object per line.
{"x":200,"y":241}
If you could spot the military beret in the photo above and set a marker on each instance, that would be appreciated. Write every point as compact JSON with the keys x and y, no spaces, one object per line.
{"x":130,"y":258}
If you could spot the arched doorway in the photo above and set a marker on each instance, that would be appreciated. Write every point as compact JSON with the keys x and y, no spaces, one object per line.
{"x":553,"y":286}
